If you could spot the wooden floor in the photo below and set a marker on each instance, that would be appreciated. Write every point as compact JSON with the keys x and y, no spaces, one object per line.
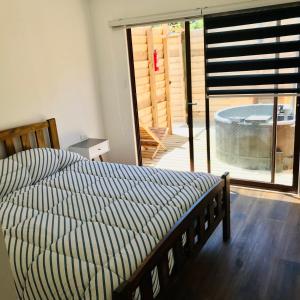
{"x":262,"y":260}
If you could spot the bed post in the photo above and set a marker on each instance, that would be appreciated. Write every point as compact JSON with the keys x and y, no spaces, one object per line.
{"x":226,"y":203}
{"x":53,"y":134}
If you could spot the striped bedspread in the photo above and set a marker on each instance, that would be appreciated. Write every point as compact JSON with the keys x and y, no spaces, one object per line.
{"x":80,"y":232}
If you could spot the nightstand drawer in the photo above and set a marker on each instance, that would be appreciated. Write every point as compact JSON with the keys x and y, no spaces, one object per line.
{"x":91,"y":148}
{"x":99,"y":149}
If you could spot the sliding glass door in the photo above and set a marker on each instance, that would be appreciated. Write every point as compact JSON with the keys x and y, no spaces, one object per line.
{"x":226,"y":89}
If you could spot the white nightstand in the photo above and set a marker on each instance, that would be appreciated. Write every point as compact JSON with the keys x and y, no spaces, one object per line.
{"x":91,"y":148}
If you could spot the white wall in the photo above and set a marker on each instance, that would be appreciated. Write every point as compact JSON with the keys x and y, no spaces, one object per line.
{"x":113,"y":62}
{"x":47,"y":67}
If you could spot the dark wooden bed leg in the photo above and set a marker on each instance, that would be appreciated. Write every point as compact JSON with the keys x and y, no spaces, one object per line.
{"x":226,"y":203}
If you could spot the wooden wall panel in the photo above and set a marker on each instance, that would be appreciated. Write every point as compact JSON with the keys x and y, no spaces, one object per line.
{"x":152,"y":86}
{"x":176,"y":77}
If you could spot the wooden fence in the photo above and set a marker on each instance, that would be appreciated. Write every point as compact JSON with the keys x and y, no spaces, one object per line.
{"x":177,"y":77}
{"x":161,"y":94}
{"x":152,"y":85}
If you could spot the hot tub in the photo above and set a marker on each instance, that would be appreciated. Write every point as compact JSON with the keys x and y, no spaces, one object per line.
{"x":244,"y":136}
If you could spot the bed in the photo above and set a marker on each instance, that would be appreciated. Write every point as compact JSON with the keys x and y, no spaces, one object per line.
{"x":79,"y":229}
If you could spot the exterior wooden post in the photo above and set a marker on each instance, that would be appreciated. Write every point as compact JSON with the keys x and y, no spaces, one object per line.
{"x":152,"y":77}
{"x":167,"y":77}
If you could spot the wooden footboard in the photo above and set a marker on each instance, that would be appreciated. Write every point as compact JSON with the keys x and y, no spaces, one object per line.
{"x":198,"y":223}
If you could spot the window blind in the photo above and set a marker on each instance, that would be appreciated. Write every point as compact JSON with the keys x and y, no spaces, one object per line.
{"x":253,"y":52}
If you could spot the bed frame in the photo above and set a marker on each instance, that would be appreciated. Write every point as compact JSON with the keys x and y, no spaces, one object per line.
{"x":198,"y":223}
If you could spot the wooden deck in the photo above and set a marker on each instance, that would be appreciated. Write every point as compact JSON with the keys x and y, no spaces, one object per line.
{"x":177,"y":157}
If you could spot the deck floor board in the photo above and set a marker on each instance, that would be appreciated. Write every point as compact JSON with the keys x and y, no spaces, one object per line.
{"x":177,"y":157}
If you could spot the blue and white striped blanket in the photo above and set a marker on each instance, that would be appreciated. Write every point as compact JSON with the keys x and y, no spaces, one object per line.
{"x":79,"y":228}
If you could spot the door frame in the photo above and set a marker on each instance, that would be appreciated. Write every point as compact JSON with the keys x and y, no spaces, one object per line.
{"x":189,"y":92}
{"x":134,"y":98}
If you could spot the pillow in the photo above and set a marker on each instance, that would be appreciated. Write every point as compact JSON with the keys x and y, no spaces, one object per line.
{"x":67,"y":158}
{"x":12,"y":177}
{"x":40,"y":162}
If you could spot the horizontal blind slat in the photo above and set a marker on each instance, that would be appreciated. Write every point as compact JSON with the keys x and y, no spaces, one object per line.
{"x":264,"y":14}
{"x":253,"y":65}
{"x":253,"y":49}
{"x":252,"y":34}
{"x":253,"y":91}
{"x":242,"y":80}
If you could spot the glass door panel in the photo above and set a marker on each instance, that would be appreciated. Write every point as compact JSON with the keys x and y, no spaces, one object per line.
{"x":285,"y":140}
{"x":178,"y":153}
{"x":286,"y":121}
{"x":241,"y":137}
{"x":157,"y":60}
{"x":198,"y":95}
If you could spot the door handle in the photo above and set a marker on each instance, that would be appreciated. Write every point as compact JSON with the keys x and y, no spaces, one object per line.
{"x":192,"y":103}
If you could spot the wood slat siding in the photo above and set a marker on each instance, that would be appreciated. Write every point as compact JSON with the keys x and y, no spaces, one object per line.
{"x":41,"y":131}
{"x":142,"y":74}
{"x":167,"y":84}
{"x":152,"y":76}
{"x":176,"y":77}
{"x":152,"y":86}
{"x":197,"y":67}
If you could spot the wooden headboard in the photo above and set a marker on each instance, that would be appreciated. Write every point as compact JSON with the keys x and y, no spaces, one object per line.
{"x":38,"y":135}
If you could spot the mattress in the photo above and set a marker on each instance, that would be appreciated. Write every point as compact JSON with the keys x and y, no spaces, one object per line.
{"x":82,"y":230}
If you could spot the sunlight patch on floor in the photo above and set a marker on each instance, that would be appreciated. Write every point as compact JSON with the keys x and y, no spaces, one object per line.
{"x":177,"y":156}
